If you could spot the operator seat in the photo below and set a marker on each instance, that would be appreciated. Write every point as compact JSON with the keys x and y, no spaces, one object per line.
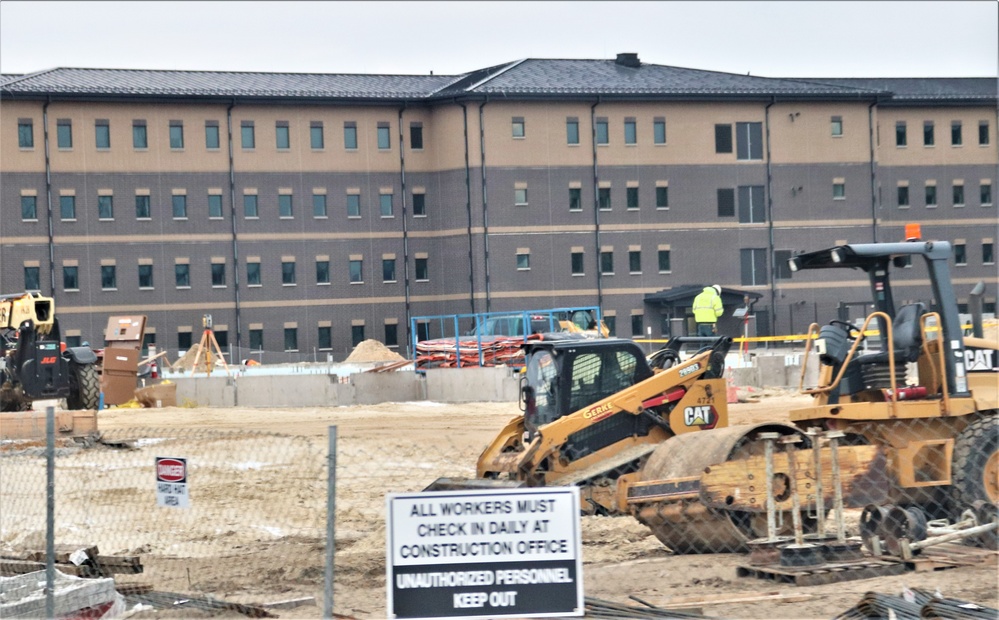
{"x":907,"y":340}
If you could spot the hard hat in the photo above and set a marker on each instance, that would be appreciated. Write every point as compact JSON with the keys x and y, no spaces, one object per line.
{"x":717,"y":288}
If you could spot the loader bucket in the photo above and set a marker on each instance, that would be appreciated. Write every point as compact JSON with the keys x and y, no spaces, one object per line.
{"x":467,"y":484}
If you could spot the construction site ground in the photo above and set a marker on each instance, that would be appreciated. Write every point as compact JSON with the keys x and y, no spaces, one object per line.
{"x":621,"y":557}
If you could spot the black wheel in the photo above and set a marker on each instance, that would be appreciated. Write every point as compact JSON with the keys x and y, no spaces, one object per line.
{"x":84,"y":387}
{"x":975,"y":472}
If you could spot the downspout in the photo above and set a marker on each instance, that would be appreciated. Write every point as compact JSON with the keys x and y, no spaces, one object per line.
{"x":468,"y":211}
{"x":235,"y":244}
{"x":485,"y":201}
{"x":48,"y":195}
{"x":405,"y":224}
{"x":874,"y":194}
{"x":770,"y":224}
{"x":596,"y":203}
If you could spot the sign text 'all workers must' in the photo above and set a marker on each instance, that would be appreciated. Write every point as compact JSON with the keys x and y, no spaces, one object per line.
{"x":472,"y":554}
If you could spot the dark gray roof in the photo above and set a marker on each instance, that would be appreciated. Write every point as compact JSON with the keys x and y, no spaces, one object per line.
{"x":924,"y":90}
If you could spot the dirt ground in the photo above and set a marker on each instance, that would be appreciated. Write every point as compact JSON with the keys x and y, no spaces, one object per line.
{"x":425,"y":440}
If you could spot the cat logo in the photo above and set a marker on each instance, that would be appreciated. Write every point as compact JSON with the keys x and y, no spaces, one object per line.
{"x":702,"y":416}
{"x":978,"y":360}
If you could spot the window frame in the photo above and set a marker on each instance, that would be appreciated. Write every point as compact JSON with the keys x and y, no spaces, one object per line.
{"x":286,"y":206}
{"x":146,"y":270}
{"x":320,"y":206}
{"x":182,"y":271}
{"x":213,"y":198}
{"x":902,"y":191}
{"x":520,"y":197}
{"x":419,"y":204}
{"x":26,"y":134}
{"x":323,"y":274}
{"x":386,"y":208}
{"x":601,"y":132}
{"x":289,"y":277}
{"x":957,"y":194}
{"x":983,"y":133}
{"x":931,"y":191}
{"x":571,"y":129}
{"x":523,"y":260}
{"x":316,"y":129}
{"x":659,"y":132}
{"x":140,"y":134}
{"x":635,"y":260}
{"x":384,"y":137}
{"x":389,"y":271}
{"x":176,"y":135}
{"x":416,"y":136}
{"x":581,"y":271}
{"x":985,"y":194}
{"x":218,"y":275}
{"x":606,"y":262}
{"x":213,"y":135}
{"x":31,"y":213}
{"x":724,"y":142}
{"x":247,"y":135}
{"x":251,"y":200}
{"x":630,"y":132}
{"x":662,"y":197}
{"x":355,"y":271}
{"x":181,"y":201}
{"x":66,"y":271}
{"x":109,"y":272}
{"x":102,"y":135}
{"x":421,"y":267}
{"x":254,"y":273}
{"x":64,"y":134}
{"x":282,"y":136}
{"x":664,"y":254}
{"x":836,"y":126}
{"x":105,"y":207}
{"x":578,"y":197}
{"x":353,"y":206}
{"x":350,"y":135}
{"x":929,"y":134}
{"x":604,"y":199}
{"x":290,"y":339}
{"x":901,"y":135}
{"x":518,"y":128}
{"x":36,"y":278}
{"x":956,"y":133}
{"x":70,"y":201}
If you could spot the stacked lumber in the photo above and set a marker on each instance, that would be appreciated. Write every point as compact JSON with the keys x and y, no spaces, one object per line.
{"x":75,"y":560}
{"x":452,"y":353}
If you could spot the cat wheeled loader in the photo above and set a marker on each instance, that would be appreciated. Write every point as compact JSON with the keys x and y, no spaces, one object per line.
{"x":659,"y":447}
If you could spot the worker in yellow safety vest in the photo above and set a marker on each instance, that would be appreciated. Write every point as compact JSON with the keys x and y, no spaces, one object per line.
{"x":707,"y":308}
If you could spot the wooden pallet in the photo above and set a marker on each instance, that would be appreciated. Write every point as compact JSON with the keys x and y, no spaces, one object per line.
{"x":823,"y":573}
{"x":951,"y":555}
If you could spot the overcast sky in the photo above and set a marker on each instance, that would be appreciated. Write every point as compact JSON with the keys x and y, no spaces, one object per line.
{"x":778,"y":39}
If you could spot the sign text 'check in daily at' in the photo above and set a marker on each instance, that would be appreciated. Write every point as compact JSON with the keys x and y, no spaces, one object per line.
{"x":493,"y":554}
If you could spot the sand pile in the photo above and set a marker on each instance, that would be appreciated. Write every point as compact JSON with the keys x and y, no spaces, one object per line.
{"x":372,"y":351}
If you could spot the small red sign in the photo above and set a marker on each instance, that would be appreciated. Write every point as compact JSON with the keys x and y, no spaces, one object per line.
{"x":171,"y":469}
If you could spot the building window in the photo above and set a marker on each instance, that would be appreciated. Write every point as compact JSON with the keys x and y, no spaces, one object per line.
{"x":109,"y":280}
{"x":607,"y":263}
{"x":32,"y":278}
{"x":664,"y":262}
{"x":67,"y":207}
{"x":753,"y":263}
{"x":215,"y":206}
{"x":356,"y":273}
{"x":184,"y":340}
{"x":603,"y":135}
{"x":284,"y":205}
{"x":353,"y":205}
{"x":749,"y":141}
{"x":723,"y":138}
{"x":630,"y":132}
{"x":577,"y":263}
{"x":318,"y":205}
{"x":611,"y":322}
{"x":176,"y":135}
{"x":416,"y":136}
{"x":250,"y":206}
{"x":604,"y":198}
{"x":422,"y":269}
{"x":523,"y":261}
{"x":520,"y":197}
{"x":960,"y":254}
{"x":391,"y":335}
{"x":752,"y":208}
{"x":985,"y":194}
{"x":517,"y":127}
{"x":356,"y":335}
{"x":983,"y":133}
{"x":903,"y":196}
{"x":384,"y":137}
{"x":256,"y":340}
{"x":839,"y":191}
{"x":105,"y":207}
{"x":211,"y":135}
{"x":782,"y":270}
{"x":253,"y":273}
{"x":288,"y":273}
{"x":388,"y":270}
{"x":324,"y":338}
{"x":956,"y":139}
{"x":282,"y":135}
{"x":931,"y":195}
{"x":901,"y":138}
{"x":726,"y":202}
{"x":575,"y":199}
{"x":64,"y":134}
{"x":26,"y":134}
{"x":957,"y":193}
{"x":182,"y":275}
{"x":222,"y":337}
{"x":322,"y":272}
{"x":140,"y":139}
{"x":837,"y":126}
{"x":659,"y":131}
{"x":350,"y":135}
{"x":631,"y":195}
{"x":218,"y":274}
{"x":662,"y":198}
{"x":29,"y":207}
{"x":180,"y":207}
{"x":385,"y":205}
{"x":247,"y":135}
{"x":635,"y":261}
{"x":987,"y":253}
{"x":70,"y":278}
{"x":145,"y":276}
{"x":291,"y":339}
{"x":928,"y":137}
{"x":316,"y":139}
{"x":102,"y":134}
{"x":419,"y":205}
{"x":572,"y":131}
{"x":637,"y":325}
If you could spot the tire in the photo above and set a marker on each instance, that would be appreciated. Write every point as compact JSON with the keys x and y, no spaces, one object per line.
{"x":975,"y":470}
{"x":84,"y":387}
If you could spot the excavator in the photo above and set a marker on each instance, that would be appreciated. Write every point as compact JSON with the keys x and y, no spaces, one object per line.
{"x":652,"y":440}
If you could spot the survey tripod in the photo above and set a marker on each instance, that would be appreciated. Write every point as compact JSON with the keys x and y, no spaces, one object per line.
{"x":208,"y":345}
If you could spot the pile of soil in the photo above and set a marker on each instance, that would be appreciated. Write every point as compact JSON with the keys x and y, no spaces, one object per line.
{"x":372,"y":351}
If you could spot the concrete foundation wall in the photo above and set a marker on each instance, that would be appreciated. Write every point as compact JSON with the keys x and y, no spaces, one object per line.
{"x":462,"y":385}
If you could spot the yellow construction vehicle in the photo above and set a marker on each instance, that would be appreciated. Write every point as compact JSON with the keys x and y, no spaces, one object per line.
{"x":35,"y":364}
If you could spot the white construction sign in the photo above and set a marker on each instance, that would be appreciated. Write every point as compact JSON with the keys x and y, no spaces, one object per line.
{"x":473,"y":554}
{"x":171,"y":482}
